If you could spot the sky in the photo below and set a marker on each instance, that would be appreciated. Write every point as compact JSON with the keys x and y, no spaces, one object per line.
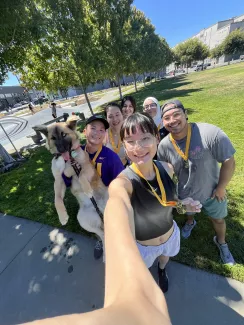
{"x":178,"y":20}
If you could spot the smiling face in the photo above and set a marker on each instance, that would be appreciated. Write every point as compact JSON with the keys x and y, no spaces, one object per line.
{"x":95,"y":132}
{"x":150,"y":107}
{"x":140,"y":147}
{"x":174,"y":119}
{"x":127,"y":109}
{"x":114,"y":117}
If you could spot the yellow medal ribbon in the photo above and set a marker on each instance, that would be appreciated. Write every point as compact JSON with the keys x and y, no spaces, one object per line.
{"x":162,"y":200}
{"x":159,"y":127}
{"x":111,"y":139}
{"x":185,"y":154}
{"x":93,"y":161}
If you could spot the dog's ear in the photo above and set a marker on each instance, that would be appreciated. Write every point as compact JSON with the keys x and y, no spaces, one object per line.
{"x":72,"y":122}
{"x":41,"y":128}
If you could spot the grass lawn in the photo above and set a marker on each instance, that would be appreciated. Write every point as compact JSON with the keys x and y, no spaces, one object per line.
{"x":214,"y":96}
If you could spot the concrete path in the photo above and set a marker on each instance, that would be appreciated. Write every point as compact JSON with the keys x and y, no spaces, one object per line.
{"x":46,"y":272}
{"x":45,"y":115}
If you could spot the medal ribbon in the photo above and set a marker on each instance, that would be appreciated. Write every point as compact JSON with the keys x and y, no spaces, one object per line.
{"x":188,"y":140}
{"x":93,"y":161}
{"x":162,"y":200}
{"x":111,"y":139}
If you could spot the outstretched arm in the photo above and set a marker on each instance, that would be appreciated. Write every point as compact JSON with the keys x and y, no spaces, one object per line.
{"x":131,"y":295}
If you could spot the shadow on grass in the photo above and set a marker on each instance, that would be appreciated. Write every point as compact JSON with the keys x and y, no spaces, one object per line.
{"x":162,"y":90}
{"x":199,"y":250}
{"x":28,"y":192}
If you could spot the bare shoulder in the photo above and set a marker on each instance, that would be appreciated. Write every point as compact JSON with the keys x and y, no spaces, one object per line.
{"x":119,"y":185}
{"x":168,"y":167}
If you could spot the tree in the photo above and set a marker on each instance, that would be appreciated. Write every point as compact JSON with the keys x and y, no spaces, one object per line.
{"x":234,"y":43}
{"x":217,"y":52}
{"x":191,"y":50}
{"x":21,"y":26}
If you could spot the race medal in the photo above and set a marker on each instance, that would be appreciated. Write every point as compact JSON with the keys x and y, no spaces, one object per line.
{"x":185,"y":154}
{"x":186,"y":164}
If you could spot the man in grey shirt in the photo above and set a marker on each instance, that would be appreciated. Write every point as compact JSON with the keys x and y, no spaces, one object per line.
{"x":194,"y":150}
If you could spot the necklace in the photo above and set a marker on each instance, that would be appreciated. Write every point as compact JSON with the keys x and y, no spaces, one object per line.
{"x":185,"y":154}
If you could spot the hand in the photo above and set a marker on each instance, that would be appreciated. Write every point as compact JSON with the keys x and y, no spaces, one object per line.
{"x":219,"y":193}
{"x":63,"y":218}
{"x":191,"y":205}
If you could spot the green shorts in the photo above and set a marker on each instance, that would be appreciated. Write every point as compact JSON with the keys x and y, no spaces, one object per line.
{"x":214,"y":209}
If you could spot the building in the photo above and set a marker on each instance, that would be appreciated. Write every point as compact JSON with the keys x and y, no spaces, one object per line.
{"x":10,"y":95}
{"x":215,"y":34}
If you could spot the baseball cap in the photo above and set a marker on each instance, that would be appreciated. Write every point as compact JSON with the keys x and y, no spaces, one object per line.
{"x":175,"y":102}
{"x":96,"y":117}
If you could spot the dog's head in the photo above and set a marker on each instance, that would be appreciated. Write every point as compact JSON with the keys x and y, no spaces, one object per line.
{"x":61,"y":137}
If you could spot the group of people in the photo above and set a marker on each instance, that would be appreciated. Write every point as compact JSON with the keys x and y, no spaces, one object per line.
{"x":185,"y":174}
{"x":143,"y":191}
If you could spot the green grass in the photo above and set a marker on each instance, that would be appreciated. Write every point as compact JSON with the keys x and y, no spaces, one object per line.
{"x":214,"y":96}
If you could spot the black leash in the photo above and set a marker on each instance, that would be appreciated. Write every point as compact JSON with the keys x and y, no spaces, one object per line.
{"x":77,"y":169}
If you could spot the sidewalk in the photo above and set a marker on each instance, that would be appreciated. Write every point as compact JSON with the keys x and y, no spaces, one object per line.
{"x":45,"y":272}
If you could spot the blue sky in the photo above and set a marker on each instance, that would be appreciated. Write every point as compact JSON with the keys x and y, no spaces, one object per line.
{"x":179,"y":20}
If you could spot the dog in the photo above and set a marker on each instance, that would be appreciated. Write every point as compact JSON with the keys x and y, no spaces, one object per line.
{"x":62,"y":139}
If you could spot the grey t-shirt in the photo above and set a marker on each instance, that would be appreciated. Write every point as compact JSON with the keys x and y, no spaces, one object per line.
{"x":209,"y":146}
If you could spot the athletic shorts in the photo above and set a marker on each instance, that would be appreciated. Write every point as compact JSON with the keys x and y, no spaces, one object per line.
{"x":170,"y":248}
{"x":214,"y":209}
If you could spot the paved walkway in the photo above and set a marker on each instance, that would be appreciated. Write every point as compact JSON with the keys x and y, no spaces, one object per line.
{"x":20,"y":140}
{"x":46,"y":272}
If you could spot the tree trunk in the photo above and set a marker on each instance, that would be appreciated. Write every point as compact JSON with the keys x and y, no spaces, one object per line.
{"x":150,"y":78}
{"x":88,"y":101}
{"x":144,"y":79}
{"x":120,"y":92}
{"x":134,"y":77}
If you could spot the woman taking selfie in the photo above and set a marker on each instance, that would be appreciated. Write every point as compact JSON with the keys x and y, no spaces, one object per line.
{"x":147,"y":195}
{"x":128,"y":106}
{"x":151,"y":106}
{"x":112,"y":139}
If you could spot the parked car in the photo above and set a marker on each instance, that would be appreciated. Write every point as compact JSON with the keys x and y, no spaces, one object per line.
{"x":242,"y":57}
{"x":148,"y":78}
{"x":17,"y":105}
{"x":180,"y":71}
{"x":23,"y":102}
{"x":200,"y":67}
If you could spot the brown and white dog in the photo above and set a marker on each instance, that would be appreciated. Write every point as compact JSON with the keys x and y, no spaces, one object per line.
{"x":62,"y":139}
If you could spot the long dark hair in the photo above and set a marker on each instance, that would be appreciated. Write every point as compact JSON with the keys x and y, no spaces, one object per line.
{"x":141,"y":120}
{"x":110,"y":105}
{"x":131,"y":99}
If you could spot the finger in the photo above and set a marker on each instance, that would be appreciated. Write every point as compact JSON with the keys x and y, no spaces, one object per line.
{"x":195,"y":203}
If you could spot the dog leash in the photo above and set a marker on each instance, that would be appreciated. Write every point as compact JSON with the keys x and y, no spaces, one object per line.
{"x":77,"y":170}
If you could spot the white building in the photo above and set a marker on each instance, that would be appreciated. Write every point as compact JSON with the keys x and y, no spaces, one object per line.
{"x":215,"y":34}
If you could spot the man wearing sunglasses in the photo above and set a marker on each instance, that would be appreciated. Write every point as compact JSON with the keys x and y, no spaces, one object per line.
{"x":195,"y":151}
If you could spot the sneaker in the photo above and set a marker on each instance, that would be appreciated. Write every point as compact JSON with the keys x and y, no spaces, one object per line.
{"x":163,"y":280}
{"x":187,"y":228}
{"x":98,"y":249}
{"x":225,"y":253}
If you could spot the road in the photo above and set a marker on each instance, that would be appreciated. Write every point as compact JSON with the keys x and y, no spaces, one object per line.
{"x":45,"y":115}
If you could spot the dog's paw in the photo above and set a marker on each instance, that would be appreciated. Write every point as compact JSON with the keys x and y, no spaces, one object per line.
{"x":64,"y":219}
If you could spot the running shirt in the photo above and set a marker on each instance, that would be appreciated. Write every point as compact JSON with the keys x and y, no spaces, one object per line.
{"x":121,"y":153}
{"x":151,"y":218}
{"x":108,"y":164}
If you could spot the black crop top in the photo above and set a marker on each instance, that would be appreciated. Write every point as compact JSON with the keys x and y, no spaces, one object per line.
{"x":151,"y":218}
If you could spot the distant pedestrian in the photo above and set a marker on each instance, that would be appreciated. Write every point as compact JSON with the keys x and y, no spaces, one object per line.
{"x":31,"y":108}
{"x":54,"y":110}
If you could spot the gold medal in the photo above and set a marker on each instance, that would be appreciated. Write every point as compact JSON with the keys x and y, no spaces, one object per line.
{"x":162,"y":200}
{"x":116,"y":149}
{"x":185,"y":154}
